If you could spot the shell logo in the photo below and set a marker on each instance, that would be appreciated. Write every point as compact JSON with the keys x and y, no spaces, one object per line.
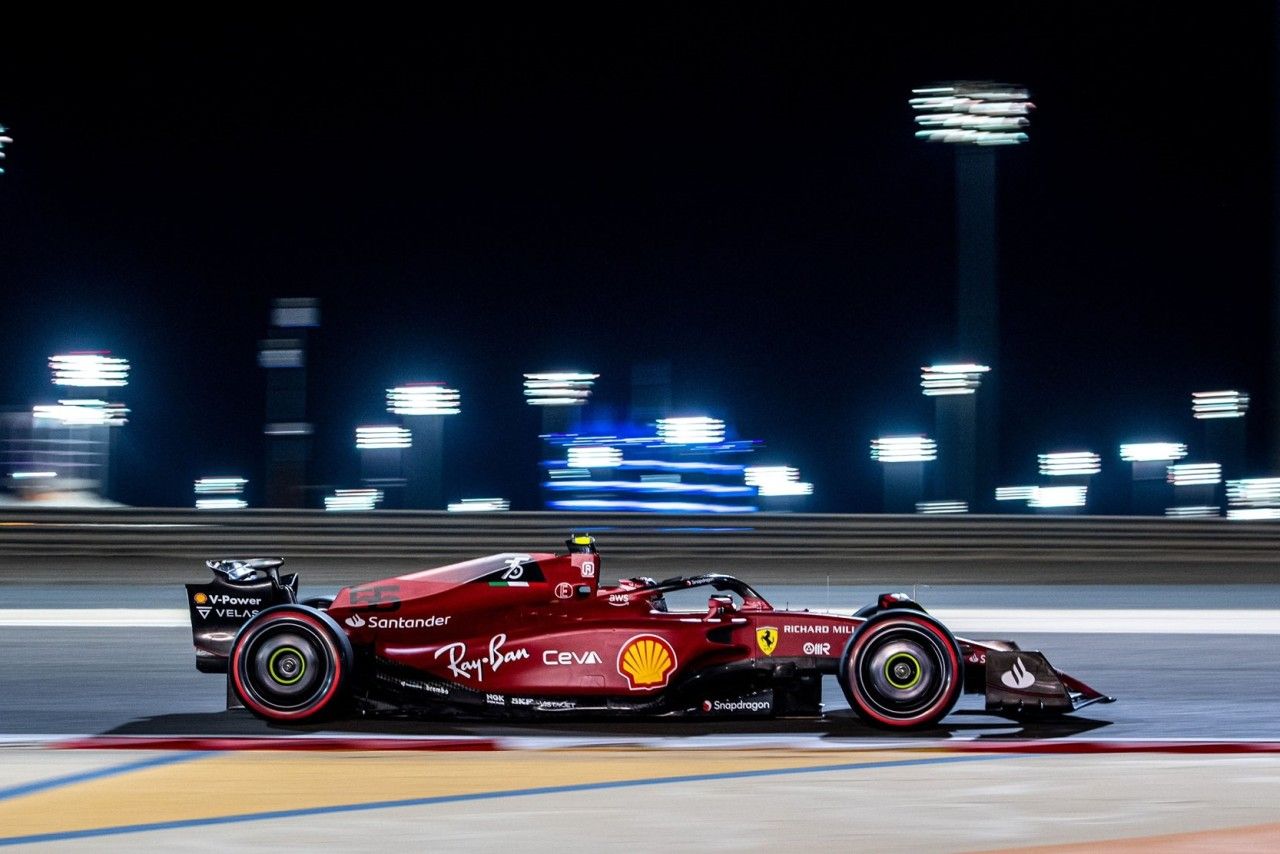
{"x":647,"y":661}
{"x":200,"y":598}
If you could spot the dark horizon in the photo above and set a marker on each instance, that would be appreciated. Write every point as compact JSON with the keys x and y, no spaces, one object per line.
{"x":733,"y":188}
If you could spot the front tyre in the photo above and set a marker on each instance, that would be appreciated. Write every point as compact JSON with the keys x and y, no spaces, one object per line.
{"x":290,"y":663}
{"x":901,"y":669}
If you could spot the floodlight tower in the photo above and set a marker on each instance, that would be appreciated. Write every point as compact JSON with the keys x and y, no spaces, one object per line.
{"x":953,"y":388}
{"x":424,"y":407}
{"x":88,"y":439}
{"x":1151,"y":462}
{"x":1223,"y":415}
{"x":382,"y":449}
{"x":560,"y":395}
{"x":284,"y":357}
{"x":977,"y":118}
{"x":1077,"y":467}
{"x":903,"y":458}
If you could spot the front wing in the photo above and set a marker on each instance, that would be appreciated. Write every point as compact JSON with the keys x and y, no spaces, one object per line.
{"x":1022,"y":683}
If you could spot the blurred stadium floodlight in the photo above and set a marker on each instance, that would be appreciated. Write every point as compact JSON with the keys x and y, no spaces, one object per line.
{"x":1254,"y":492}
{"x":89,"y":370}
{"x":628,"y":506}
{"x":941,"y":507}
{"x":940,"y":380}
{"x":353,"y":499}
{"x":227,"y":492}
{"x":380,"y":437}
{"x":1015,"y":493}
{"x":904,"y":449}
{"x":593,"y":457}
{"x":5,"y":139}
{"x":424,"y":405}
{"x":776,"y":481}
{"x":1142,"y":452}
{"x":1196,"y":511}
{"x":956,"y":424}
{"x":1149,"y":462}
{"x":558,"y":388}
{"x":1195,"y":474}
{"x":433,"y":398}
{"x":83,"y":413}
{"x":1070,"y":463}
{"x":972,"y":113}
{"x":480,"y":505}
{"x":1254,"y":514}
{"x":1219,"y":404}
{"x":694,"y":430}
{"x":903,"y":470}
{"x":1051,"y":497}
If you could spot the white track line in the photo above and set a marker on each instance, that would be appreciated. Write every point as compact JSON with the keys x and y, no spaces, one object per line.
{"x":969,"y":622}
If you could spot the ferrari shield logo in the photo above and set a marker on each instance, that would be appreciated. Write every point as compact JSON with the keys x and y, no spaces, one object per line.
{"x":767,"y":638}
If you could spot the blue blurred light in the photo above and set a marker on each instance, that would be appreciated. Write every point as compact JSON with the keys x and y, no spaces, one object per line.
{"x":646,"y":486}
{"x":650,"y":506}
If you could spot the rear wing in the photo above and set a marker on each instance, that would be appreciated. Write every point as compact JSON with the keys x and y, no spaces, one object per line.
{"x":238,"y":591}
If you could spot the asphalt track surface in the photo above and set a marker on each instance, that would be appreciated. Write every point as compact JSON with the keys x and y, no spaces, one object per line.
{"x":142,"y":681}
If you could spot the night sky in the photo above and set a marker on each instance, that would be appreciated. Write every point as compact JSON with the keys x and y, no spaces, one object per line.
{"x":733,"y":187}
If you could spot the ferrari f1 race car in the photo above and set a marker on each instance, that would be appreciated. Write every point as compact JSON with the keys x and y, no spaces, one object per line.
{"x":537,"y":636}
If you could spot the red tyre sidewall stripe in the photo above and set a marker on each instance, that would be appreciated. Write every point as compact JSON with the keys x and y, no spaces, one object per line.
{"x":947,"y":696}
{"x":323,"y":631}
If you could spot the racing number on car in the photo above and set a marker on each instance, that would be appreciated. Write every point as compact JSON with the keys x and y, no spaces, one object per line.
{"x":378,"y":597}
{"x":515,"y":570}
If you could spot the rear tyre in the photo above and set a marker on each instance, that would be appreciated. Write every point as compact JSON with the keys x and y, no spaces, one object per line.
{"x":901,"y":669}
{"x":290,"y":663}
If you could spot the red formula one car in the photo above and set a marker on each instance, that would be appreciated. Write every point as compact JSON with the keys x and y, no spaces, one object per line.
{"x":536,"y":635}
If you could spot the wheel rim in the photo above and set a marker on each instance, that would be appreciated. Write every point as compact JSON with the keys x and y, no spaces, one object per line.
{"x":902,"y":672}
{"x":286,"y":666}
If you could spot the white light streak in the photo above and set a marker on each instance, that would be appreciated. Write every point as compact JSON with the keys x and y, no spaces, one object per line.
{"x":1254,"y":492}
{"x":593,"y":457}
{"x":1015,"y":493}
{"x":382,"y":437}
{"x":1254,"y":514}
{"x":1195,"y":511}
{"x":1219,"y":404}
{"x":1058,"y":496}
{"x":352,"y":499}
{"x":938,"y":380}
{"x":220,"y":485}
{"x":776,"y":481}
{"x":480,"y":505}
{"x":1070,"y":463}
{"x":221,"y":504}
{"x":83,"y":413}
{"x":89,"y":370}
{"x":904,"y":449}
{"x":424,"y":399}
{"x":979,"y":113}
{"x":1195,"y":474}
{"x":695,"y":430}
{"x":1145,"y":452}
{"x":940,"y":507}
{"x":558,"y":388}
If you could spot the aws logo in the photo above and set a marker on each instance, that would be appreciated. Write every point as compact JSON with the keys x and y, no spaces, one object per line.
{"x":647,"y":661}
